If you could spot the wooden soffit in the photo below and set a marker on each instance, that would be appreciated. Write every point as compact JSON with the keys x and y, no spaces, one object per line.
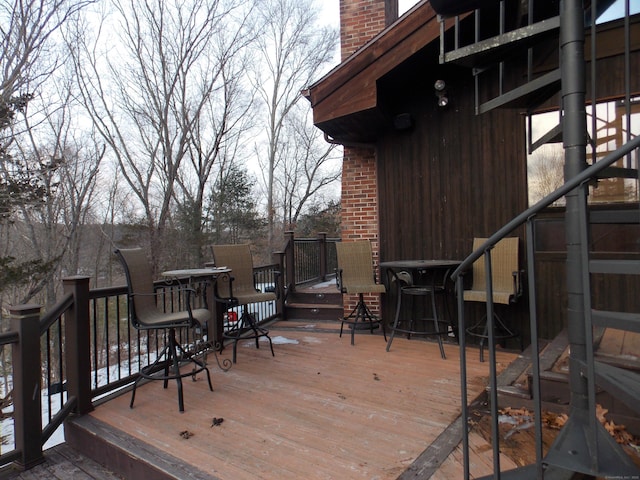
{"x":348,"y":93}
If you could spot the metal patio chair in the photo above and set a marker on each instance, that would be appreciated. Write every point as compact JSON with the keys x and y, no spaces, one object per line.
{"x":238,"y":290}
{"x":147,"y":313}
{"x":355,"y":275}
{"x":506,"y":287}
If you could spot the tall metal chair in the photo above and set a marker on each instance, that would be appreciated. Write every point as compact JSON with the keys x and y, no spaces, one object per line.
{"x":146,"y":313}
{"x":355,"y":275}
{"x":239,"y":289}
{"x":506,"y":287}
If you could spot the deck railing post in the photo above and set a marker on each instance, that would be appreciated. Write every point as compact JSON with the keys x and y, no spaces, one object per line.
{"x":77,"y":343}
{"x":27,"y":397}
{"x":322,"y":241}
{"x":290,"y":262}
{"x":280,"y":279}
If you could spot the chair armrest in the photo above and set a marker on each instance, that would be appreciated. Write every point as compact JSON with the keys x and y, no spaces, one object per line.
{"x":276,"y":274}
{"x":339,"y":280}
{"x":161,"y":295}
{"x":517,"y":283}
{"x":216,"y":293}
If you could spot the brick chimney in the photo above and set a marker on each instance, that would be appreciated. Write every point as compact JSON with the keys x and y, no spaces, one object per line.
{"x":361,"y":20}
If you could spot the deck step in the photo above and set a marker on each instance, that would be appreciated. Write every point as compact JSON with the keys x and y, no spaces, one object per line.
{"x":621,"y":383}
{"x":125,"y":455}
{"x":622,"y":267}
{"x":313,"y":312}
{"x":619,"y":320}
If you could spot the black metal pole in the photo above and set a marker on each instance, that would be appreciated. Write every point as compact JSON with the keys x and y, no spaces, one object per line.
{"x":574,"y":142}
{"x":583,"y":445}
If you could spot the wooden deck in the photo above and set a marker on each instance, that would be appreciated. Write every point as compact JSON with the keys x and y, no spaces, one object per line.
{"x":320,"y":409}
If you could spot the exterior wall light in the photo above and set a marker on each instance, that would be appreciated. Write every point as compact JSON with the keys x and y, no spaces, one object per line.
{"x":441,"y":93}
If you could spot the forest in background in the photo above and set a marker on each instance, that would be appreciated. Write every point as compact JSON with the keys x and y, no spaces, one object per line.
{"x":167,"y":125}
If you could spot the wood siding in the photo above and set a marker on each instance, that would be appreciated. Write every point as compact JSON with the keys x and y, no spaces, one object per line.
{"x":454,"y":176}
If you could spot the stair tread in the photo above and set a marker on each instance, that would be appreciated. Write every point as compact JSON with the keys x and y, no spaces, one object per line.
{"x":620,"y":382}
{"x":484,"y":51}
{"x":628,"y":267}
{"x":314,"y":305}
{"x":619,"y":320}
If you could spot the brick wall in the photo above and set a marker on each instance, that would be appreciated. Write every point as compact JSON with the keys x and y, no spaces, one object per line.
{"x":361,"y":20}
{"x":360,"y":209}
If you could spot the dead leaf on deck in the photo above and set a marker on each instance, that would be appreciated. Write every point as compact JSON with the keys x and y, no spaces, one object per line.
{"x":556,"y":421}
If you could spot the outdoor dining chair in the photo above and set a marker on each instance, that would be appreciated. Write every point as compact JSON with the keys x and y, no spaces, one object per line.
{"x":239,"y":290}
{"x":355,"y":275}
{"x":147,"y":312}
{"x":506,"y":287}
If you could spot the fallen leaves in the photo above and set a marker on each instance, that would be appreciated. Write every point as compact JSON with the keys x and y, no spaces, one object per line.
{"x":556,"y":421}
{"x":216,"y":421}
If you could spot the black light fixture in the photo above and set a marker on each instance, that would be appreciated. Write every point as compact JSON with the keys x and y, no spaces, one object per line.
{"x":441,"y":93}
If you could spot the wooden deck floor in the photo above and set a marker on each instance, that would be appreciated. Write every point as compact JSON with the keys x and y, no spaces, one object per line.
{"x":319,"y":409}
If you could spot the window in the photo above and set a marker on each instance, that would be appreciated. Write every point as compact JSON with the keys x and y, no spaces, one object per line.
{"x":617,"y":9}
{"x":609,"y":126}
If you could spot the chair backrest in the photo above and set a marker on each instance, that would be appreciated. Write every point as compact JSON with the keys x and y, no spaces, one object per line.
{"x":355,"y":260}
{"x":238,"y":258}
{"x":137,"y":268}
{"x":504,"y":264}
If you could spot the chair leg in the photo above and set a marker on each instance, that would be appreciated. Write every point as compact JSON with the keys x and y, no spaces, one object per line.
{"x":198,"y":367}
{"x":248,"y":322}
{"x":361,"y":313}
{"x":169,"y":356}
{"x":149,"y":368}
{"x":344,"y":319}
{"x":396,"y":320}
{"x":436,"y":324}
{"x":499,"y":325}
{"x":176,"y":366}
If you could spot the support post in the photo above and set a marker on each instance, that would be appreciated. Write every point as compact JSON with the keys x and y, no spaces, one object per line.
{"x":583,"y":445}
{"x":290,"y":263}
{"x":322,"y":243}
{"x":77,"y":331}
{"x":280,"y":279}
{"x":27,"y":395}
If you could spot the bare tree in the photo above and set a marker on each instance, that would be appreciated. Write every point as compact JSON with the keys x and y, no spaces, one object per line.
{"x":67,"y":164}
{"x":293,"y":50}
{"x":218,"y":133}
{"x":28,"y":58}
{"x":309,"y":165}
{"x":149,"y":96}
{"x":545,"y":169}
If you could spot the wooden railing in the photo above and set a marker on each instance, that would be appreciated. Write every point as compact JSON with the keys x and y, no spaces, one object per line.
{"x":80,"y":353}
{"x":308,"y":260}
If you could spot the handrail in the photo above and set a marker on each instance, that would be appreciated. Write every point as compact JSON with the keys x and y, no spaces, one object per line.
{"x":576,"y":181}
{"x":51,"y":316}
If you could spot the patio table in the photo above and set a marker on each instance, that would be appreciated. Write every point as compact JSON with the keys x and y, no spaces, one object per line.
{"x":419,"y":278}
{"x":209,"y":275}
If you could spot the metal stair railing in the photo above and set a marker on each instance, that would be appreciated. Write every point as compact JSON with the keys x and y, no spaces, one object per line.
{"x":594,"y":442}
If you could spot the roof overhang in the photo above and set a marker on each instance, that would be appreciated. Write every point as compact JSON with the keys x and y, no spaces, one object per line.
{"x":345,"y":101}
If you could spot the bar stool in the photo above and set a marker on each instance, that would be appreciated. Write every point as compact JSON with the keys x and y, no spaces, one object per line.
{"x":405,"y":287}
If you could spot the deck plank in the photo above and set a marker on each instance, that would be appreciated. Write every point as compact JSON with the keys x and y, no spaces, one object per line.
{"x":321,"y":408}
